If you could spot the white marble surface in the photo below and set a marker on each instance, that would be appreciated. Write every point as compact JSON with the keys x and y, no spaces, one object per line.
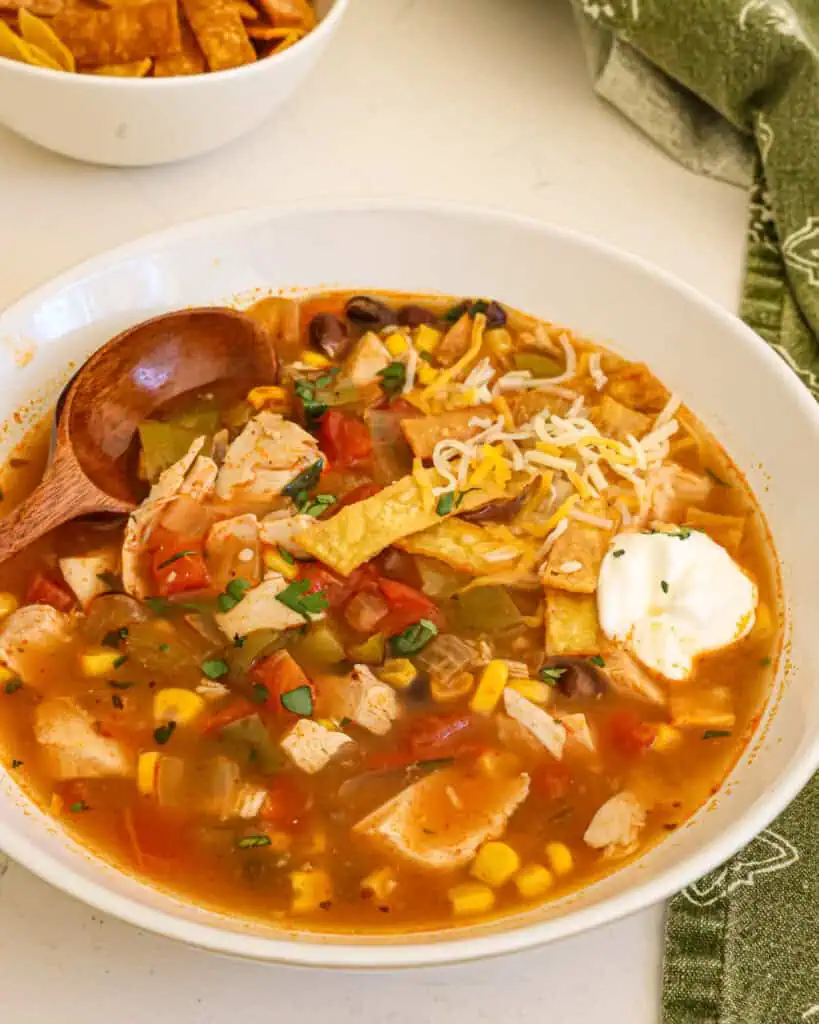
{"x":481,"y":101}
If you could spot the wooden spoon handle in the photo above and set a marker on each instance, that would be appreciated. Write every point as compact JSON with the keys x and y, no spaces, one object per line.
{"x":57,"y":498}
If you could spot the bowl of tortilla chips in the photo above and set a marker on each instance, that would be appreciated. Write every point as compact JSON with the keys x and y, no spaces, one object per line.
{"x":140,"y":82}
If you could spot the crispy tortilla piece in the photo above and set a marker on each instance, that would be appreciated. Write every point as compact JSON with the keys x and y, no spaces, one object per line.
{"x":613,"y":419}
{"x":636,"y":386}
{"x":581,"y":543}
{"x":725,"y":530}
{"x":424,"y":432}
{"x":136,"y":69}
{"x":220,"y":31}
{"x":38,"y":33}
{"x":360,"y":531}
{"x":291,"y":13}
{"x":189,"y":61}
{"x":526,"y":404}
{"x":121,"y":35}
{"x":571,"y":623}
{"x":465,"y":546}
{"x":455,"y":342}
{"x":42,"y":8}
{"x":14,"y":47}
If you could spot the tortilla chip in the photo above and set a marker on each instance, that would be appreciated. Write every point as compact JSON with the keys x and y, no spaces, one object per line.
{"x":294,"y":13}
{"x":38,"y":33}
{"x":575,"y":558}
{"x":423,"y":433}
{"x":136,"y":69}
{"x":247,"y":12}
{"x":189,"y":61}
{"x":268,"y":32}
{"x":571,"y":623}
{"x":360,"y":531}
{"x":13,"y":47}
{"x":45,"y":8}
{"x":121,"y":35}
{"x":466,"y":547}
{"x":220,"y":32}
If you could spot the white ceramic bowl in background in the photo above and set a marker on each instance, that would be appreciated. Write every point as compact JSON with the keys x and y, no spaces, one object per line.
{"x":730,"y":378}
{"x":129,"y":122}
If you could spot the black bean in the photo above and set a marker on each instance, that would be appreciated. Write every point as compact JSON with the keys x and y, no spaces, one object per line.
{"x":495,"y":316}
{"x":579,"y":678}
{"x":414,"y":316}
{"x":368,"y":312}
{"x":329,"y":333}
{"x":418,"y":690}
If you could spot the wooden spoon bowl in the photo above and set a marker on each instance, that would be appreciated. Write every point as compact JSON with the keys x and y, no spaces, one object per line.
{"x":119,"y":386}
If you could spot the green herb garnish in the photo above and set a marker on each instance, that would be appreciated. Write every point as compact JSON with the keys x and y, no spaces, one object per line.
{"x":238,"y":641}
{"x":215,"y":668}
{"x":393,"y":377}
{"x":618,"y":553}
{"x":16,"y":764}
{"x":234,"y":592}
{"x":315,"y":506}
{"x":117,"y":701}
{"x":764,"y":662}
{"x":664,"y":586}
{"x":313,"y":408}
{"x":306,"y":480}
{"x":12,"y":686}
{"x":176,"y":557}
{"x":550,"y":676}
{"x":120,"y":685}
{"x":597,"y":660}
{"x":713,"y":734}
{"x":299,"y":701}
{"x":717,"y":479}
{"x":445,"y":503}
{"x":164,"y":647}
{"x":434,"y":762}
{"x":250,"y":842}
{"x":454,"y":313}
{"x":120,"y":660}
{"x":80,"y":805}
{"x":345,"y":721}
{"x":326,"y":379}
{"x":259,"y":693}
{"x":463,"y":494}
{"x":112,"y":581}
{"x":285,"y":556}
{"x":414,"y":639}
{"x":163,"y":733}
{"x":297,"y":599}
{"x":115,"y":637}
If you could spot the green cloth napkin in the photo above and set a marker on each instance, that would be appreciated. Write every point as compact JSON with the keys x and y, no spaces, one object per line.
{"x":730,"y":88}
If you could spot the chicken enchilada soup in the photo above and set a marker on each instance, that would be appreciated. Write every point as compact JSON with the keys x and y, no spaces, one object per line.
{"x":463,"y":613}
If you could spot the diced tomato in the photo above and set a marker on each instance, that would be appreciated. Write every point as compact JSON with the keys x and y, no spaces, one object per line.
{"x":344,"y":439}
{"x":407,"y":605}
{"x":629,"y":734}
{"x":359,"y":493}
{"x":178,"y":564}
{"x":551,"y":780}
{"x":440,"y":736}
{"x":285,"y":803}
{"x":43,"y":590}
{"x":238,"y":708}
{"x":280,"y":673}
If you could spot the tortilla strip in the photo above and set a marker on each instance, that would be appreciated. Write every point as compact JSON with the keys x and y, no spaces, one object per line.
{"x":424,"y":432}
{"x":44,"y":8}
{"x":220,"y":31}
{"x":360,"y":531}
{"x":189,"y":61}
{"x":571,"y":623}
{"x":39,"y":33}
{"x":14,"y":47}
{"x":121,"y":35}
{"x":526,"y":404}
{"x":290,"y":13}
{"x":464,"y":546}
{"x":581,"y":543}
{"x":135,"y":69}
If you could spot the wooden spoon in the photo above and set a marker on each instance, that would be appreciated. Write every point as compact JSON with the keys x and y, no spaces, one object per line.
{"x":119,"y":386}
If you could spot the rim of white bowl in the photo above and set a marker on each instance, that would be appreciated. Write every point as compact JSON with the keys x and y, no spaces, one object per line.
{"x":385,"y":951}
{"x":313,"y":38}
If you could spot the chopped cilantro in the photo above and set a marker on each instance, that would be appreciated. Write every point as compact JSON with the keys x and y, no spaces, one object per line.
{"x":306,"y":480}
{"x":393,"y":377}
{"x":713,"y":734}
{"x":12,"y":686}
{"x":79,"y":806}
{"x":463,"y":494}
{"x":434,"y":762}
{"x":163,"y":733}
{"x":764,"y":662}
{"x":120,"y":684}
{"x":414,"y":638}
{"x":313,"y":408}
{"x":297,"y":599}
{"x":234,"y":592}
{"x":597,"y":660}
{"x":345,"y":721}
{"x":215,"y":668}
{"x":550,"y":676}
{"x":250,"y":842}
{"x":16,"y":764}
{"x":259,"y":693}
{"x":115,"y":637}
{"x":326,"y":379}
{"x":299,"y":701}
{"x":445,"y":503}
{"x":164,"y":647}
{"x":176,"y":557}
{"x":454,"y":313}
{"x":120,"y":660}
{"x":315,"y":506}
{"x":618,"y":553}
{"x":664,"y":586}
{"x":238,"y":641}
{"x":285,"y":556}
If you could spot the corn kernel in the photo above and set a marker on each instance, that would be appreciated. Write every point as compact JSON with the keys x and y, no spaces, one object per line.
{"x":471,"y":898}
{"x":396,"y":345}
{"x":147,"y":765}
{"x":426,"y":374}
{"x":532,"y":689}
{"x":99,"y":662}
{"x":327,"y":723}
{"x":427,"y":338}
{"x":490,"y":688}
{"x":8,"y":604}
{"x":453,"y":689}
{"x":380,"y":884}
{"x":310,"y":890}
{"x":315,"y":359}
{"x":178,"y":705}
{"x":268,"y":395}
{"x":371,"y":651}
{"x":533,"y":881}
{"x":560,"y":858}
{"x":6,"y":674}
{"x":273,"y":560}
{"x":398,"y":672}
{"x":495,"y":864}
{"x":667,"y":738}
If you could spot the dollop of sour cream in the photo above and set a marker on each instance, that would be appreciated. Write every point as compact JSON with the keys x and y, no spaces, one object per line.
{"x":672,"y":597}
